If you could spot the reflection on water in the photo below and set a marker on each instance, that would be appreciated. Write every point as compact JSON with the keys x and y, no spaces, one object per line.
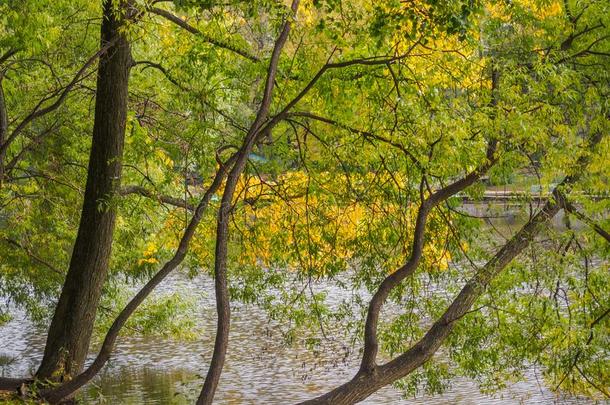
{"x":132,"y":386}
{"x":150,"y":386}
{"x":260,"y":369}
{"x":140,"y":386}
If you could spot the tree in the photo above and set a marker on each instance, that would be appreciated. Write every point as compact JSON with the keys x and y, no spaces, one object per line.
{"x":70,"y":330}
{"x":375,"y":122}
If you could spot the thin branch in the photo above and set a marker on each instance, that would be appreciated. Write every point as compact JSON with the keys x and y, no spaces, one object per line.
{"x":365,"y":134}
{"x":222,"y":228}
{"x":159,"y":67}
{"x":366,"y":382}
{"x":579,"y":353}
{"x":7,"y":55}
{"x":171,"y":79}
{"x":370,"y":61}
{"x":34,"y":256}
{"x":143,"y":191}
{"x":590,"y":222}
{"x":182,"y":23}
{"x":31,"y":145}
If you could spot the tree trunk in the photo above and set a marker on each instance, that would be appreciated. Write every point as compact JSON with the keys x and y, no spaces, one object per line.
{"x":70,"y":331}
{"x":223,"y":308}
{"x":3,"y":128}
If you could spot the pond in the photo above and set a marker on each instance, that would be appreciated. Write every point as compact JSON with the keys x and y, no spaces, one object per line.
{"x":260,"y":368}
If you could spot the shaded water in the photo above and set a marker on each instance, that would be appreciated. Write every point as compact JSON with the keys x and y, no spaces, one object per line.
{"x":260,"y":368}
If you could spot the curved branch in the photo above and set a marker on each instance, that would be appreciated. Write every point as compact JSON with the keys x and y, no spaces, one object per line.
{"x":371,"y":346}
{"x":4,"y":57}
{"x":370,"y":61}
{"x":365,"y":134}
{"x":368,"y":364}
{"x":34,"y":256}
{"x":171,"y":79}
{"x":590,"y":222}
{"x":34,"y":142}
{"x":160,"y":68}
{"x":222,"y":230}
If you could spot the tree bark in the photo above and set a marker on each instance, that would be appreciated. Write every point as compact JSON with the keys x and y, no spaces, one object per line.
{"x":70,"y":330}
{"x":165,"y":199}
{"x":3,"y":115}
{"x":3,"y":128}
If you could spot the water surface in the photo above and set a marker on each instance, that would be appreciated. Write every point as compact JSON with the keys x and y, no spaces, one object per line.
{"x":260,"y":368}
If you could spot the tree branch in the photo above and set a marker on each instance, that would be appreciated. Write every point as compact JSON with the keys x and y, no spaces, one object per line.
{"x":34,"y":256}
{"x":34,"y":142}
{"x":365,"y":134}
{"x":4,"y":57}
{"x":181,"y":23}
{"x":177,"y":202}
{"x":569,"y":207}
{"x":370,"y":61}
{"x":371,"y":346}
{"x":368,"y":364}
{"x":3,"y":128}
{"x":13,"y":384}
{"x":39,"y":111}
